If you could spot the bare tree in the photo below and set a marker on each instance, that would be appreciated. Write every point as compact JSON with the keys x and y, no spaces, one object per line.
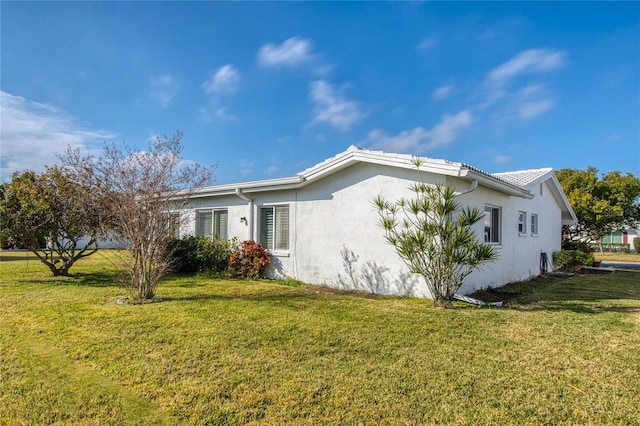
{"x":144,"y":193}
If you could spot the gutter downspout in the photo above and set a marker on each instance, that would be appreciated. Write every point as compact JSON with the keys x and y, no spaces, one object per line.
{"x":240,"y":194}
{"x":472,"y":187}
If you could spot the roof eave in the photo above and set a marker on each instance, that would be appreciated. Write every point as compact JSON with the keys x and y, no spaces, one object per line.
{"x":250,"y":187}
{"x":498,"y":184}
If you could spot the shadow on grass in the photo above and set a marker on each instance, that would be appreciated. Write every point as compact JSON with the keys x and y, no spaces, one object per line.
{"x":591,"y":294}
{"x":270,"y":297}
{"x":16,"y":255}
{"x":93,"y":279}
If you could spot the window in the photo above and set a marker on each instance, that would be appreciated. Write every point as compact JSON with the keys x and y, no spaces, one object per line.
{"x":212,"y":222}
{"x":174,"y":224}
{"x":492,"y":224}
{"x":612,"y":238}
{"x":221,"y":223}
{"x":522,"y":223}
{"x":204,"y":222}
{"x":534,"y":224}
{"x":274,"y":227}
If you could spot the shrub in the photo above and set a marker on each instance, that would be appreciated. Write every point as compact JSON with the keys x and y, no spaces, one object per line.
{"x":615,"y":247}
{"x":582,"y":246}
{"x":250,"y":260}
{"x":200,"y":254}
{"x":568,"y":259}
{"x":636,"y":244}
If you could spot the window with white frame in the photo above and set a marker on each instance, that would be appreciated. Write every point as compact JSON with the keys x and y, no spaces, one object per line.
{"x":492,"y":221}
{"x":212,"y":222}
{"x":522,"y":223}
{"x":274,"y":227}
{"x":534,"y":224}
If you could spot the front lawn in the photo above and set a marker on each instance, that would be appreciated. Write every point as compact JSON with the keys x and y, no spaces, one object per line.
{"x":565,"y":351}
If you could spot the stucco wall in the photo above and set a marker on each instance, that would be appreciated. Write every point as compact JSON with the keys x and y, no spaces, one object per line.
{"x":519,"y":255}
{"x":335,"y":239}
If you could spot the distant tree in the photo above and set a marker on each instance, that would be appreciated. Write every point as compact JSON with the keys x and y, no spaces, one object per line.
{"x":434,"y":236}
{"x":601,"y":205}
{"x":144,"y":192}
{"x":52,"y":215}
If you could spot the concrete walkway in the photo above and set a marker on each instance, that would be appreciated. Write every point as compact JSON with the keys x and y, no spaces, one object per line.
{"x":621,"y":265}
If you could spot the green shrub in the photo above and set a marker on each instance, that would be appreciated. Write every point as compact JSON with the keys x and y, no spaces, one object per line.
{"x":636,"y":244}
{"x":568,"y":259}
{"x":250,"y":260}
{"x":200,"y":254}
{"x":582,"y":246}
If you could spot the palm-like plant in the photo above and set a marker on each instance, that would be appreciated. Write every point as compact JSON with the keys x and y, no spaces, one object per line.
{"x":434,"y":236}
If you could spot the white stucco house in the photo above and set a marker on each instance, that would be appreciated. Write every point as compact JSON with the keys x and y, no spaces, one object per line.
{"x":321,"y":227}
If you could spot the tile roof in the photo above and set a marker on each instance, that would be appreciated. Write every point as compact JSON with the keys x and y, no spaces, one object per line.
{"x":523,"y":178}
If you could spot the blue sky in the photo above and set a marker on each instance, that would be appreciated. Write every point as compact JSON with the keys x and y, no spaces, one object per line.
{"x":267,"y":89}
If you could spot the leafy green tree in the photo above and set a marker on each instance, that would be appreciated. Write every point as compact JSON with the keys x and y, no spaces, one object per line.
{"x":434,"y":236}
{"x":143,"y":193}
{"x":601,"y":205}
{"x":52,"y":215}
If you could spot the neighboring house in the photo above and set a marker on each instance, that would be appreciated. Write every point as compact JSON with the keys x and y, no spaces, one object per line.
{"x":623,"y":238}
{"x":321,"y":227}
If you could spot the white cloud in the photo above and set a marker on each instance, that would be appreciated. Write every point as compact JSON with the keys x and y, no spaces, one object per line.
{"x":225,"y":79}
{"x":33,"y":134}
{"x":530,"y":101}
{"x":217,"y":114}
{"x":446,"y":131}
{"x":532,"y":61}
{"x":428,"y":43}
{"x":614,"y":137}
{"x":164,"y":88}
{"x":272,"y":170}
{"x":420,"y":140}
{"x":442,"y":92}
{"x":534,"y":108}
{"x":330,"y":106}
{"x":291,"y":52}
{"x":528,"y":62}
{"x":247,"y":167}
{"x":502,"y":159}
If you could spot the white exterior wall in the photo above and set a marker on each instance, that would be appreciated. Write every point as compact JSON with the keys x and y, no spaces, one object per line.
{"x":338,"y":240}
{"x":335,"y":239}
{"x":519,"y":255}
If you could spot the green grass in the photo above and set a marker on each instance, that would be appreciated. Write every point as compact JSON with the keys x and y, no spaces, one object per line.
{"x":566,"y":351}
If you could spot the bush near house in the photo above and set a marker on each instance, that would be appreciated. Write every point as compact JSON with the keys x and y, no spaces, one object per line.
{"x":192,"y":254}
{"x":569,"y":259}
{"x":250,"y":260}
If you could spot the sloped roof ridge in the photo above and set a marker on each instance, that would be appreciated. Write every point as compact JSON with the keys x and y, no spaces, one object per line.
{"x":350,"y":151}
{"x":353,"y":149}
